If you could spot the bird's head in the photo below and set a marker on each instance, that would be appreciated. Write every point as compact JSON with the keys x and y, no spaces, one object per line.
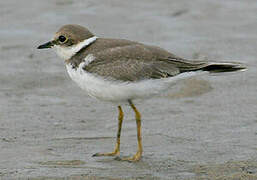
{"x":69,"y":39}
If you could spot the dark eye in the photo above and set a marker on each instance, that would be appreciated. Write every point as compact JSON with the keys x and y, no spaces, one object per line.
{"x":62,"y":39}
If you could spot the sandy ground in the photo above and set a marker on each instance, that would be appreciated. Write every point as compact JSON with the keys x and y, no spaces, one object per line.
{"x":49,"y":128}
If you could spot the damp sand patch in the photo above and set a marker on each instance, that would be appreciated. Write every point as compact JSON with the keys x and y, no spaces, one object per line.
{"x":190,"y":88}
{"x":232,"y":170}
{"x":62,"y":163}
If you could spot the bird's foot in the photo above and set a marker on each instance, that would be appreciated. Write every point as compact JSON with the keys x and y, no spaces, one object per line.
{"x":114,"y":153}
{"x":134,"y":158}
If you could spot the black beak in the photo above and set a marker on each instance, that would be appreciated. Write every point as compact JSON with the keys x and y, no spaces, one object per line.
{"x":46,"y":45}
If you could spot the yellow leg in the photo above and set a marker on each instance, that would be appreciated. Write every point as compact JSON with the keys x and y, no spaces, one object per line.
{"x":117,"y":146}
{"x":138,"y":155}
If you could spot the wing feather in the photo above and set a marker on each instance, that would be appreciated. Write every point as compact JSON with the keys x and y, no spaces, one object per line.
{"x":137,"y":62}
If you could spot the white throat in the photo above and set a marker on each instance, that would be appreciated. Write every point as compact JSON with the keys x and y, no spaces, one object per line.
{"x":68,"y":52}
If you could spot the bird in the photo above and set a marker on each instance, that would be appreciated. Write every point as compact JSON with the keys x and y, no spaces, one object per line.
{"x":121,"y":71}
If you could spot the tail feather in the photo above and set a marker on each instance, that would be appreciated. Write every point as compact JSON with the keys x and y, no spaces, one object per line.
{"x":212,"y":67}
{"x":223,"y":67}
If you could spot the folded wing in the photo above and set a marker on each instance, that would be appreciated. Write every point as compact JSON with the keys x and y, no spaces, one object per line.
{"x":138,"y":62}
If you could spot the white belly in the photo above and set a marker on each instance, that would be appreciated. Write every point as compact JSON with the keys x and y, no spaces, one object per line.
{"x":117,"y":91}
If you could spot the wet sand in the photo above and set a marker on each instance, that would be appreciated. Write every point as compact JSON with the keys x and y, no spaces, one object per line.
{"x":206,"y":128}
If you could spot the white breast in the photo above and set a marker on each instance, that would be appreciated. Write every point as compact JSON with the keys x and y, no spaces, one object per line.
{"x":117,"y":91}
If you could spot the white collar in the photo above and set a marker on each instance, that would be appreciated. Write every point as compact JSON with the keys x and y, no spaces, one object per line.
{"x":68,"y":52}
